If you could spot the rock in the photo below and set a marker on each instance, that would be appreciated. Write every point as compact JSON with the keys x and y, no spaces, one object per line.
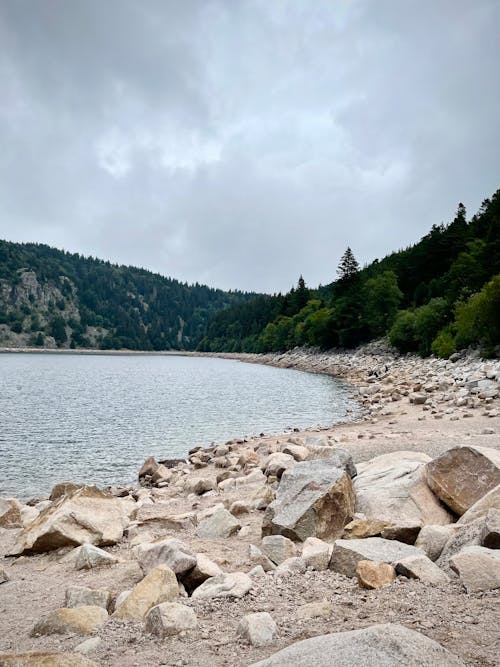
{"x":298,"y":452}
{"x":88,"y":646}
{"x":88,"y":515}
{"x":169,"y":619}
{"x":463,"y":536}
{"x":3,"y":576}
{"x":421,"y":567}
{"x":289,"y":566}
{"x":256,"y":572}
{"x":172,"y":463}
{"x":361,"y":528}
{"x":240,"y":507}
{"x":203,"y":570}
{"x":235,"y":585}
{"x":320,"y":609}
{"x":79,"y":596}
{"x":463,"y":475}
{"x":121,"y":598}
{"x":148,"y":469}
{"x":172,"y":552}
{"x":10,"y":513}
{"x":387,"y":645}
{"x":490,"y":534}
{"x":337,"y":457}
{"x":431,"y":539}
{"x":262,"y":497}
{"x":64,"y":489}
{"x":42,"y":659}
{"x":78,"y":621}
{"x":478,"y":568}
{"x":161,"y":474}
{"x":258,"y":558}
{"x":276,"y":464}
{"x":199,"y":486}
{"x":221,"y":524}
{"x":403,"y":532}
{"x":490,"y":500}
{"x":160,"y":585}
{"x":316,"y":553}
{"x":347,"y":553}
{"x":162,"y":513}
{"x":90,"y":556}
{"x":392,"y":487}
{"x":278,"y":548}
{"x":258,"y":629}
{"x":373,"y":575}
{"x":314,"y":499}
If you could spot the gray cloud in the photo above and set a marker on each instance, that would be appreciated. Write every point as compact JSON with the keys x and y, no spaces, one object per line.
{"x":243,"y":143}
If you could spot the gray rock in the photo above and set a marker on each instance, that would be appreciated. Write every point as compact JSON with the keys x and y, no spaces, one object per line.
{"x":79,"y":621}
{"x":259,"y":558}
{"x":203,"y":570}
{"x":463,"y":536}
{"x":278,"y":548}
{"x":233,"y":585}
{"x":88,"y":646}
{"x":432,"y":539}
{"x":336,"y":456}
{"x":295,"y":565}
{"x":258,"y":629}
{"x":314,"y":499}
{"x":421,"y":567}
{"x":316,"y":553}
{"x":387,"y":645}
{"x":172,"y":552}
{"x":90,"y":556}
{"x":169,"y":619}
{"x":276,"y":464}
{"x":78,"y":596}
{"x":392,"y":487}
{"x":478,"y":568}
{"x":463,"y":475}
{"x":489,"y":501}
{"x":221,"y":524}
{"x":347,"y":553}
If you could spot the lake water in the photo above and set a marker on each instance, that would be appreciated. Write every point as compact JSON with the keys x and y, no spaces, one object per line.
{"x":95,"y":418}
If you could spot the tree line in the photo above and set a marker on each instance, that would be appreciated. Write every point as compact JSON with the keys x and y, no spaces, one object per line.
{"x":436,"y":296}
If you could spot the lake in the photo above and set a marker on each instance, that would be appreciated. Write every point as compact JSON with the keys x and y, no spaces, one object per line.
{"x":95,"y":418}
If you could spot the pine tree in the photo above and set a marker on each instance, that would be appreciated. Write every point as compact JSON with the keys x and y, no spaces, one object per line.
{"x":348,"y":266}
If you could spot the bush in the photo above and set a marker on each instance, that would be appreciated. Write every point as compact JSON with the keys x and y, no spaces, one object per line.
{"x":402,"y":333}
{"x":477,"y":321}
{"x":444,"y":344}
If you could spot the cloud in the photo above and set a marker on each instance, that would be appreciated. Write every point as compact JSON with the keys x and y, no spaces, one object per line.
{"x":241,"y":144}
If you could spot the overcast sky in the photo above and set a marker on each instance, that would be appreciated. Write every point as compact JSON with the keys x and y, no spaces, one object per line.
{"x":241,"y":143}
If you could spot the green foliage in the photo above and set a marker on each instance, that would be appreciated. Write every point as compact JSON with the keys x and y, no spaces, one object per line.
{"x":402,"y":334}
{"x":57,"y":329}
{"x":477,"y":321}
{"x":444,"y":344}
{"x":429,"y":319}
{"x":382,"y":297}
{"x":348,"y":266}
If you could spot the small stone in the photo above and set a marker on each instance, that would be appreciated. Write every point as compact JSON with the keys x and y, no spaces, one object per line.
{"x":258,"y":629}
{"x":169,"y":619}
{"x":79,"y":596}
{"x":90,"y":556}
{"x":315,"y":610}
{"x":373,"y":575}
{"x":221,"y":524}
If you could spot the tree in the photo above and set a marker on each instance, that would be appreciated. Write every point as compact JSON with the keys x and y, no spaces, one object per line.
{"x":382,"y":298}
{"x":348,"y":266}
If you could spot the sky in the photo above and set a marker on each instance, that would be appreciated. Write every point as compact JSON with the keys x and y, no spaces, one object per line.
{"x":241,"y":143}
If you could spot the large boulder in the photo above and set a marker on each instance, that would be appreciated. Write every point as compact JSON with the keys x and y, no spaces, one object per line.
{"x":463,"y":475}
{"x":87,"y":515}
{"x":314,"y":499}
{"x":392,"y":487}
{"x":387,"y":645}
{"x":160,"y":585}
{"x":490,"y":500}
{"x":346,"y":554}
{"x":478,"y":568}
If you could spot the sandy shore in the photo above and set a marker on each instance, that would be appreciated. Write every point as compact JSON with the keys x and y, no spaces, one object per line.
{"x":408,"y":404}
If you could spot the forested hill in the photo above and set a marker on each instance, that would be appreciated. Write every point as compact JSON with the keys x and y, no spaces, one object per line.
{"x":52,"y":298}
{"x":438,"y":295}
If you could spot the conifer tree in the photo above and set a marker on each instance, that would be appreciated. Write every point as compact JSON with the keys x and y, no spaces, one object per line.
{"x":348,"y":266}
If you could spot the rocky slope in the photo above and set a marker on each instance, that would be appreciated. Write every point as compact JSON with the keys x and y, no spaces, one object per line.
{"x":384,"y":533}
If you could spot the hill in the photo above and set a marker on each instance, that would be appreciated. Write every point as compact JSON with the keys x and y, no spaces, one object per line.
{"x":52,"y":298}
{"x":438,"y":295}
